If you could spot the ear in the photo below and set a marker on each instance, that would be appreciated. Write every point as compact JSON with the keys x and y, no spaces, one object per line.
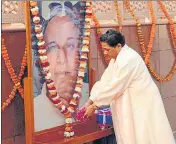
{"x":119,"y":45}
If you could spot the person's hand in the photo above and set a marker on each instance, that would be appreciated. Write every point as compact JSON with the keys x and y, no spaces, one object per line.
{"x":87,"y":104}
{"x":90,"y":111}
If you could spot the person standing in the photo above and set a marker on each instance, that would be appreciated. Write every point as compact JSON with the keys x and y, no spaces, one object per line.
{"x":126,"y":85}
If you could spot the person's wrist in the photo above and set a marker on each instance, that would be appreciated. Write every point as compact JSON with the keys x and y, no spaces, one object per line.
{"x":94,"y":106}
{"x":90,"y":102}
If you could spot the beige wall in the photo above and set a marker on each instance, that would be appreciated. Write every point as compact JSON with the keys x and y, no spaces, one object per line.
{"x":162,"y":60}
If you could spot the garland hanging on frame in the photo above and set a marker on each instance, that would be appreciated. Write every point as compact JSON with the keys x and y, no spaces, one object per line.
{"x":83,"y":45}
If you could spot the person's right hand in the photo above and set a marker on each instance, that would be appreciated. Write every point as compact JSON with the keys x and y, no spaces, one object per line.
{"x":87,"y":104}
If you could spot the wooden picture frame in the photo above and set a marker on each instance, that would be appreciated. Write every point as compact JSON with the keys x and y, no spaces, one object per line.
{"x":56,"y":134}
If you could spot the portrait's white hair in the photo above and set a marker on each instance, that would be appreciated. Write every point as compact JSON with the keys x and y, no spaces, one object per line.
{"x":60,"y":11}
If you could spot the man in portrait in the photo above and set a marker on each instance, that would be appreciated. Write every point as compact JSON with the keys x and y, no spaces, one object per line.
{"x":61,"y":34}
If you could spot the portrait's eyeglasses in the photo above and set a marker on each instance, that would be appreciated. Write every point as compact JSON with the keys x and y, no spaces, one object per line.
{"x":51,"y":45}
{"x":69,"y":46}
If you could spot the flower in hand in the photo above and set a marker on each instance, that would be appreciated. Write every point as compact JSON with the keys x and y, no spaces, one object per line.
{"x":86,"y":105}
{"x":80,"y":116}
{"x":90,"y":110}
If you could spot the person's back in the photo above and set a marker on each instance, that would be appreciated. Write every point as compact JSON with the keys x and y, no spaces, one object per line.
{"x":148,"y":110}
{"x":142,"y":76}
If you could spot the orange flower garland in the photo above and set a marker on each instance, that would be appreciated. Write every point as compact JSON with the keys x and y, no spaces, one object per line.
{"x":54,"y":97}
{"x":84,"y":56}
{"x":152,"y":34}
{"x":15,"y":79}
{"x":11,"y":70}
{"x":171,"y":23}
{"x":99,"y":33}
{"x":147,"y":54}
{"x":118,"y":15}
{"x":140,"y":36}
{"x":9,"y":100}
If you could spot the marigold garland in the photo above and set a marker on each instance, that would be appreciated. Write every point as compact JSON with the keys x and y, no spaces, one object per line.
{"x":14,"y":78}
{"x":171,"y":23}
{"x":83,"y":44}
{"x":152,"y":33}
{"x":99,"y":33}
{"x":118,"y":15}
{"x":146,"y":54}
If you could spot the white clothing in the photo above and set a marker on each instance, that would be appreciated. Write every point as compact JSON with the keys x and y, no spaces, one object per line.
{"x":137,"y":109}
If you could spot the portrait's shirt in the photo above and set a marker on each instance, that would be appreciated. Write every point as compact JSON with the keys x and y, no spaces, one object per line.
{"x":46,"y":115}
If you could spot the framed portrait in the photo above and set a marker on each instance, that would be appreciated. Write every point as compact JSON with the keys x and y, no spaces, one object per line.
{"x":58,"y":80}
{"x":60,"y":32}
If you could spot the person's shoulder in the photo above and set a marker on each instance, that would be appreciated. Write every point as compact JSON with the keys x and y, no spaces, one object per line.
{"x":131,"y":53}
{"x":130,"y":57}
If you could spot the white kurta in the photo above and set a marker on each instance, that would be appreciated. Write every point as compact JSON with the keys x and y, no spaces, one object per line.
{"x":137,"y":109}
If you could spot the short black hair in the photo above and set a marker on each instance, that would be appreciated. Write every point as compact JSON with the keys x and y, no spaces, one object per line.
{"x":113,"y":38}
